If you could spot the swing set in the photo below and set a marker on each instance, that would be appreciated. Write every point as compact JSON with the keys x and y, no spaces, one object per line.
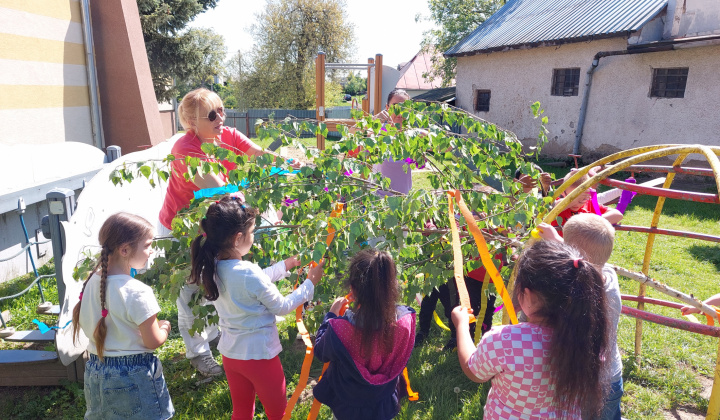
{"x":374,"y":69}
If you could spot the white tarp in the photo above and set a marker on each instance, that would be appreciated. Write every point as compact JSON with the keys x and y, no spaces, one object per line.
{"x":96,"y":203}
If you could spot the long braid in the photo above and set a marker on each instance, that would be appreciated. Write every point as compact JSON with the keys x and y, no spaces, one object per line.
{"x":101,"y":329}
{"x":76,"y":309}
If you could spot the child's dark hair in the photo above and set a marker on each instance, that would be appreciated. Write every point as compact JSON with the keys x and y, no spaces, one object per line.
{"x":119,"y":230}
{"x":397,"y":92}
{"x":373,"y":282}
{"x":222,"y":222}
{"x":574,"y":306}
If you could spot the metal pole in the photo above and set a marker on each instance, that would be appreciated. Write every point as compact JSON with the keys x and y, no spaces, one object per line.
{"x":377,"y":103}
{"x":21,"y":210}
{"x":320,"y":95}
{"x":113,"y":152}
{"x":61,"y":205}
{"x":95,"y":112}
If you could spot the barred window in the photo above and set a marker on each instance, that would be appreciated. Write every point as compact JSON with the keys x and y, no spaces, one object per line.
{"x":482,"y":100}
{"x":669,"y":82}
{"x":566,"y":82}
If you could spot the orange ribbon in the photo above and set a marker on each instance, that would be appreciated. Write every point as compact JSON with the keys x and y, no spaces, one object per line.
{"x":305,"y":370}
{"x":484,"y":254}
{"x":458,"y":261}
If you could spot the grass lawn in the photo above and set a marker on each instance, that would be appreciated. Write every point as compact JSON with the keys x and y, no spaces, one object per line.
{"x":674,"y":370}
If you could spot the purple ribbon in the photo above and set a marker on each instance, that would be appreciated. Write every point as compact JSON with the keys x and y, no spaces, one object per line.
{"x":626,"y":197}
{"x":595,"y":204}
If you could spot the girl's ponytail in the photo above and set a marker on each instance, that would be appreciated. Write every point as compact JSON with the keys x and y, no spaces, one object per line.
{"x":101,"y":328}
{"x":203,"y":266}
{"x":373,"y":282}
{"x":573,"y":300}
{"x":224,"y":219}
{"x":76,"y":309}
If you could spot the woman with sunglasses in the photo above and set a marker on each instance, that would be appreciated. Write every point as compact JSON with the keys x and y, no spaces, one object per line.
{"x":202,"y":115}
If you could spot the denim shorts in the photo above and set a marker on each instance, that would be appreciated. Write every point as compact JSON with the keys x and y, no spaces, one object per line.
{"x":126,"y":387}
{"x":611,"y":411}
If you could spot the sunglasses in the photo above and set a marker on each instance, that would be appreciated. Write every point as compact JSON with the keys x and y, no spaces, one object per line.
{"x":212,"y":115}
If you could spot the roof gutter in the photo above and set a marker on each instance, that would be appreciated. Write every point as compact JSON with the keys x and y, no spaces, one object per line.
{"x":650,"y":47}
{"x":95,"y":115}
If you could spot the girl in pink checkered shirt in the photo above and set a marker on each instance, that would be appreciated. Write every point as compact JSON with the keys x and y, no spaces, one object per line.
{"x":549,"y":367}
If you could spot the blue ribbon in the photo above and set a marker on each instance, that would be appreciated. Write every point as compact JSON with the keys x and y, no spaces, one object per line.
{"x":231,"y":188}
{"x":44,"y":328}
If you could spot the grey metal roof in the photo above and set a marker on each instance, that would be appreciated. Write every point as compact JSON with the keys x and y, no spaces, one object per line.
{"x":437,"y":95}
{"x":528,"y":23}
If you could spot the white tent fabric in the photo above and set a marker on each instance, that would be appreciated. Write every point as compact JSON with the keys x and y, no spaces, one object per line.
{"x":96,"y":203}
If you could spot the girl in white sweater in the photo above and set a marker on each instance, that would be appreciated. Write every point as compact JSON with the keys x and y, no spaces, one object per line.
{"x":247,"y":302}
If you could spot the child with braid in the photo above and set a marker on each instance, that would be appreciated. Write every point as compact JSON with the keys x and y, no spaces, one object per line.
{"x":118,"y":314}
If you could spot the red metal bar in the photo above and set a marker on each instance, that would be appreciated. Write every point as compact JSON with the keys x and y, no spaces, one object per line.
{"x":669,"y":232}
{"x":645,"y":299}
{"x":668,"y":169}
{"x":662,"y":192}
{"x":672,"y":322}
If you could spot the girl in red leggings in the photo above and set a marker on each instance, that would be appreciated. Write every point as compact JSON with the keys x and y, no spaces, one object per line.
{"x":246,"y":301}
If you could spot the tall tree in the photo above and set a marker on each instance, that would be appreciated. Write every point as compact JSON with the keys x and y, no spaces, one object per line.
{"x":173,"y":52}
{"x":455,"y":19}
{"x":288,"y":35}
{"x":209,"y":57}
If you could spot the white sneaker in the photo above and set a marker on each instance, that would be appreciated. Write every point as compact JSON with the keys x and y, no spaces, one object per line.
{"x":206,"y":365}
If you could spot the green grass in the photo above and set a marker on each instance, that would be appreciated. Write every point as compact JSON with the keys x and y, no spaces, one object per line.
{"x":668,"y":375}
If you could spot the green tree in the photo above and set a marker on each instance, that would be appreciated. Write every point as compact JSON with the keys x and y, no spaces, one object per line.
{"x":210,"y":52}
{"x":308,"y":197}
{"x":173,"y":52}
{"x":355,"y":84}
{"x":280,"y":70}
{"x":454,"y":19}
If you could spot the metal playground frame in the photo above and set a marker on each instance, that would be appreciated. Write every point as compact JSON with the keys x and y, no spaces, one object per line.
{"x":629,"y":160}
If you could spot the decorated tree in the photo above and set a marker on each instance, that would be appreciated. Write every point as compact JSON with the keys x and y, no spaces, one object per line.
{"x":310,"y":199}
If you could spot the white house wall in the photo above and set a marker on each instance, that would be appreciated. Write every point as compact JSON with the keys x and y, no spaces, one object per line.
{"x":692,"y":18}
{"x":621,"y":114}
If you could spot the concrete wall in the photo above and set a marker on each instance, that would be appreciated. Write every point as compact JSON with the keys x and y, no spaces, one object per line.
{"x":688,"y":18}
{"x":43,"y":78}
{"x":621,"y":113}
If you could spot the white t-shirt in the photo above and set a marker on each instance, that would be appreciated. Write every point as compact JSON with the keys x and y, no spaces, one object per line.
{"x":129,"y":303}
{"x":247,"y":306}
{"x":614,"y":303}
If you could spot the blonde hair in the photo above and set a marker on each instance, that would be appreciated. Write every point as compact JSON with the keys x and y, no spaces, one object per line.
{"x":579,"y":181}
{"x":592,"y":235}
{"x":191,"y":106}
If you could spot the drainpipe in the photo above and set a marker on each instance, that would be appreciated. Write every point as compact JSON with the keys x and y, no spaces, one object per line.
{"x":95,"y":115}
{"x":650,"y":47}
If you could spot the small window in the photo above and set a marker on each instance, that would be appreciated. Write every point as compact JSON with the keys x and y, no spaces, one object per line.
{"x":482,"y":100}
{"x":669,"y":83}
{"x":566,"y":82}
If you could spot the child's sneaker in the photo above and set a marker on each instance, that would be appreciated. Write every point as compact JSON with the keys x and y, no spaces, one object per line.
{"x":420,"y":339}
{"x":206,"y":365}
{"x":450,"y":345}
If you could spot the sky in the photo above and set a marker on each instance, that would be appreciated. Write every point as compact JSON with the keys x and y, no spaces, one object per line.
{"x":384,"y":27}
